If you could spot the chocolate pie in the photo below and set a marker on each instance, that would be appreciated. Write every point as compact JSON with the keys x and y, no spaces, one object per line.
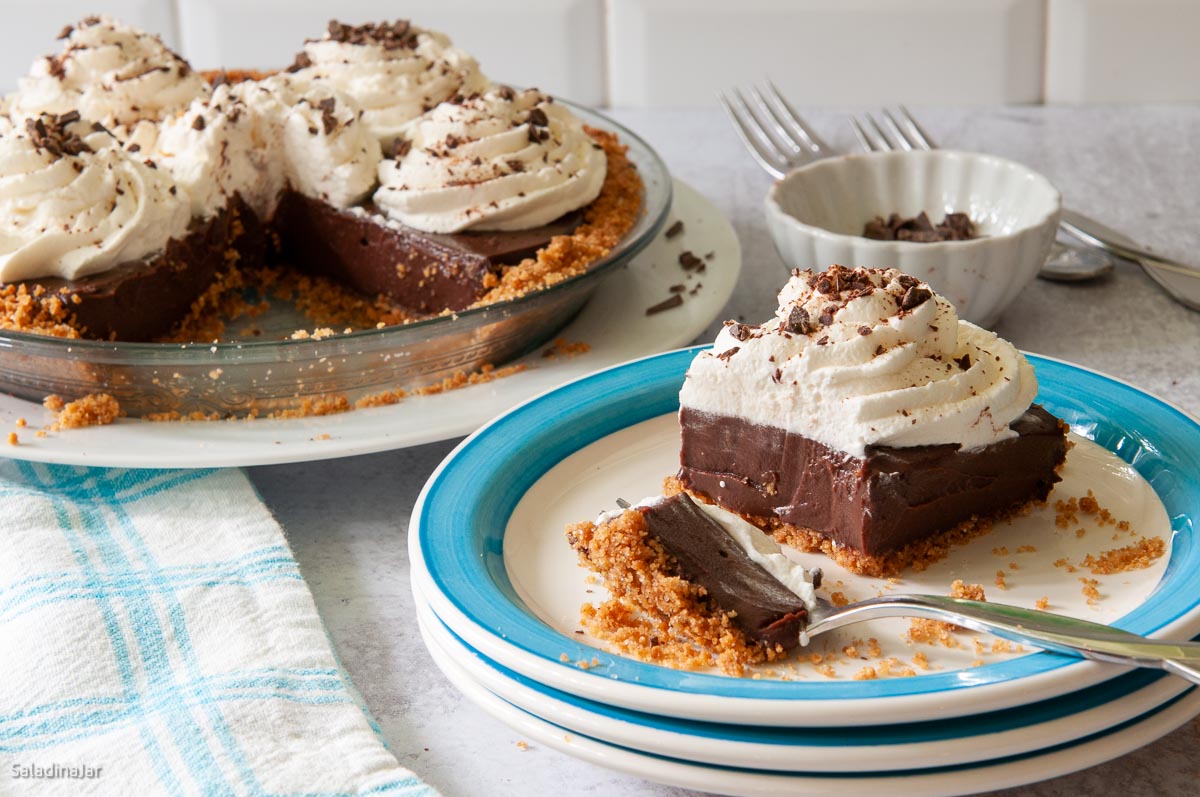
{"x":382,"y":161}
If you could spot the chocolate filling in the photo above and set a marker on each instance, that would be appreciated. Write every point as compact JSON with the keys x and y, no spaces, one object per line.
{"x":875,"y":504}
{"x":143,"y":299}
{"x":706,"y":555}
{"x":424,"y":272}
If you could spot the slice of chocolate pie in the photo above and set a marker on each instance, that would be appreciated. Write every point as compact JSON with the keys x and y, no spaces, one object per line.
{"x":867,"y":421}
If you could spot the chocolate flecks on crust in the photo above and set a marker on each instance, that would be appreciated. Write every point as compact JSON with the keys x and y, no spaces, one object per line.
{"x":395,"y":35}
{"x":667,"y":304}
{"x":49,"y":133}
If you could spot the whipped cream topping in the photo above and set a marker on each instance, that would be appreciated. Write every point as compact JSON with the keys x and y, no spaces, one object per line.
{"x":862,"y":357}
{"x":502,"y":160}
{"x":759,"y":547}
{"x":111,"y":73}
{"x":330,"y":154}
{"x":394,"y":71}
{"x":73,"y":203}
{"x":255,"y":137}
{"x":219,"y":147}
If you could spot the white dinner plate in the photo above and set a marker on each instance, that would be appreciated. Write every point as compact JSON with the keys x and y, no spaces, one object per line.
{"x":962,"y":779}
{"x":614,"y":324}
{"x":486,"y":542}
{"x":866,"y":748}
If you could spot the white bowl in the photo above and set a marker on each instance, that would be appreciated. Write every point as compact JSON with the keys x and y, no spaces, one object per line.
{"x":816,"y":215}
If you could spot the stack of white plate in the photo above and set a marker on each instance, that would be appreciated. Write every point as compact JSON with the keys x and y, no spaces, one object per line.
{"x":498,"y":593}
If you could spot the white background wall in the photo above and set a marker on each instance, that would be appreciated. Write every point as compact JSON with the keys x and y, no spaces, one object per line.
{"x":680,"y":52}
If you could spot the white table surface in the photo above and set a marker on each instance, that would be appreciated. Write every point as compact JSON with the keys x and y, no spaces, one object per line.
{"x":1136,"y":169}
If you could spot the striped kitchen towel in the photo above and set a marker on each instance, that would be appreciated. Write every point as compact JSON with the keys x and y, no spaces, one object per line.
{"x":156,"y":637}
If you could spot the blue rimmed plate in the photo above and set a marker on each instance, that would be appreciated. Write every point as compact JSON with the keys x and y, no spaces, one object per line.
{"x":866,"y":748}
{"x":463,"y":545}
{"x":1094,"y":749}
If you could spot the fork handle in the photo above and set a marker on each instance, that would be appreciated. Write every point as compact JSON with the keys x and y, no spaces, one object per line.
{"x":1054,"y":632}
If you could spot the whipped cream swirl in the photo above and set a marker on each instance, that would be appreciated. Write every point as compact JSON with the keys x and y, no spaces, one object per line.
{"x":863,"y":357}
{"x":502,"y":160}
{"x":73,"y":203}
{"x":112,"y":74}
{"x":394,"y":71}
{"x":220,"y":147}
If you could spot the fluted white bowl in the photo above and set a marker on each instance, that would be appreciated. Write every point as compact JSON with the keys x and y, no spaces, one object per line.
{"x":816,"y":215}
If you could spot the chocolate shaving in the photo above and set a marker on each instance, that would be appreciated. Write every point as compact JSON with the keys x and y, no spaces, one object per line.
{"x":914,"y":297}
{"x":725,"y":355}
{"x":666,"y":304}
{"x":739,"y":331}
{"x":66,"y":32}
{"x":537,"y":117}
{"x":198,"y":122}
{"x":399,"y":147}
{"x":677,"y":288}
{"x":49,"y":133}
{"x":328,"y":120}
{"x":799,"y":322}
{"x":919,"y":229}
{"x":388,"y":35}
{"x":964,"y":362}
{"x":516,"y":165}
{"x":673,"y":230}
{"x":506,"y":93}
{"x":301,"y":61}
{"x":864,"y":330}
{"x":690,"y":262}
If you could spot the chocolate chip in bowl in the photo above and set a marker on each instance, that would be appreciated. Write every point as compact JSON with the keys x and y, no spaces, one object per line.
{"x":816,"y":215}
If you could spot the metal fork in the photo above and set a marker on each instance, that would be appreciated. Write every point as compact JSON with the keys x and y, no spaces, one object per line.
{"x":1066,"y":263}
{"x":777,"y":137}
{"x":1048,"y":631}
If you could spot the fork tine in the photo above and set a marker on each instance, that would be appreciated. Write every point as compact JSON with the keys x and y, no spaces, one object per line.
{"x":789,"y":118}
{"x":793,"y":152}
{"x":880,"y":136}
{"x":869,"y":136}
{"x":861,"y":135}
{"x":895,"y":133}
{"x":746,"y":126}
{"x":916,"y":134}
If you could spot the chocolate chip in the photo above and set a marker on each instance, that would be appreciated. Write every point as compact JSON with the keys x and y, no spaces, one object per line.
{"x":798,"y":322}
{"x":914,"y":297}
{"x":666,"y":304}
{"x":673,"y":230}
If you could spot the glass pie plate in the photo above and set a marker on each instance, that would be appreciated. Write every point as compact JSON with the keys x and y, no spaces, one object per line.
{"x":267,"y":376}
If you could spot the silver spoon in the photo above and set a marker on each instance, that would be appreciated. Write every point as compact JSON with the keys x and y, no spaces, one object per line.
{"x":1069,"y":262}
